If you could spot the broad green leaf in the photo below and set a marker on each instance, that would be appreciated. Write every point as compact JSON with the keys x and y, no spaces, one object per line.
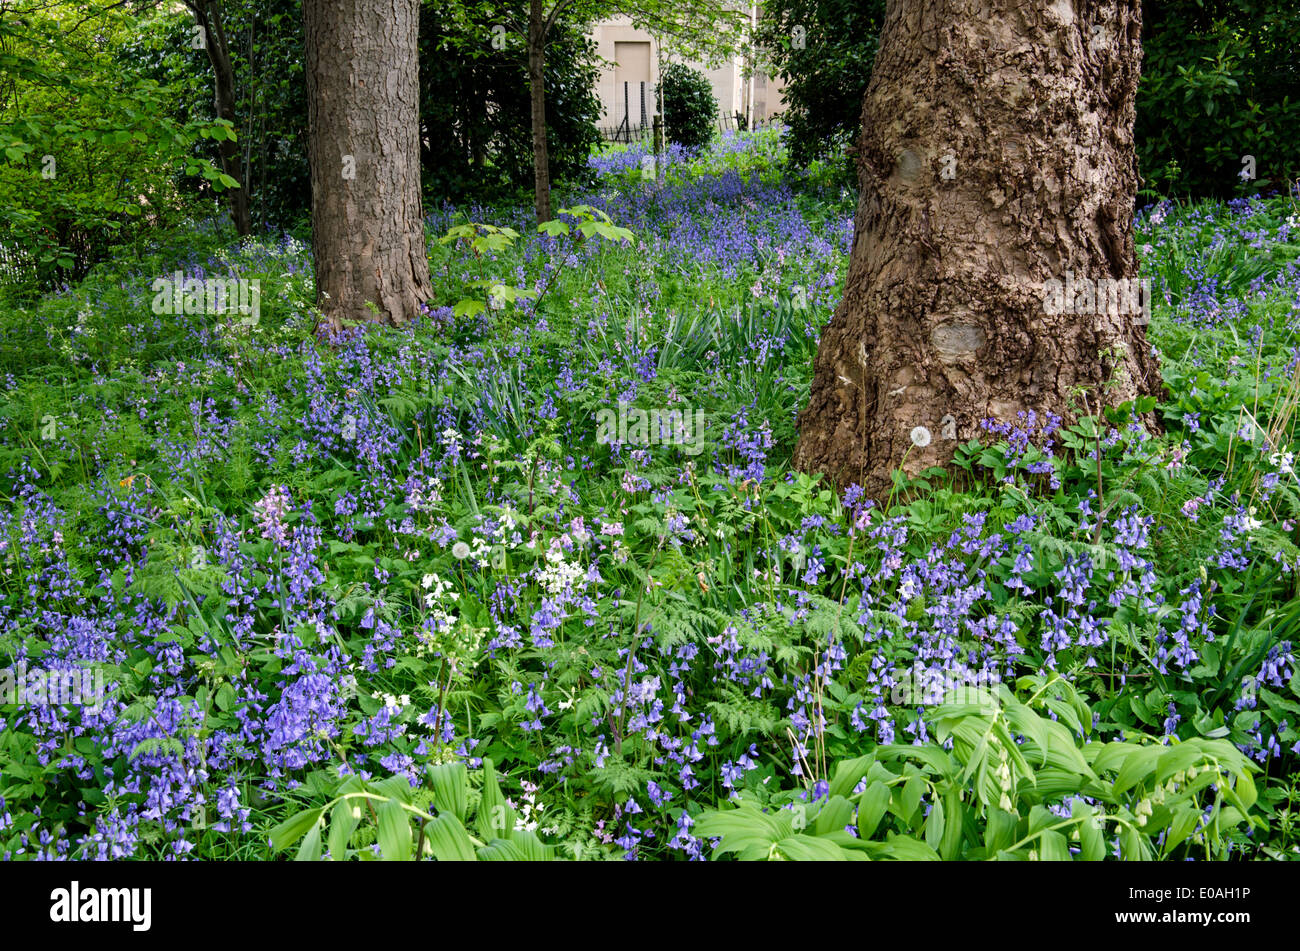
{"x":532,"y":847}
{"x":1182,"y":825}
{"x":953,"y":814}
{"x":834,"y":814}
{"x":393,"y":787}
{"x":1137,"y":766}
{"x":999,"y":830}
{"x":1092,"y":844}
{"x":847,"y":775}
{"x":450,"y":783}
{"x":294,"y":828}
{"x":905,"y":849}
{"x":934,"y":825}
{"x":343,"y":822}
{"x":1177,"y":758}
{"x":1041,"y":818}
{"x":807,"y":848}
{"x":1053,"y":847}
{"x":738,"y":829}
{"x":495,"y":819}
{"x":909,"y":798}
{"x":1109,"y":757}
{"x":934,"y":758}
{"x":871,"y":808}
{"x":310,"y":849}
{"x":448,"y":840}
{"x":1133,"y":846}
{"x":501,"y":850}
{"x":394,"y":831}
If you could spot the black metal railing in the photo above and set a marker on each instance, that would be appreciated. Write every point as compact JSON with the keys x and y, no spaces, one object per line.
{"x":639,"y":104}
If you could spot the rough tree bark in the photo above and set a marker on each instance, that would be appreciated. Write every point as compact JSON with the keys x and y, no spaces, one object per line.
{"x":208,"y":15}
{"x":538,"y":27}
{"x":364,"y":153}
{"x":996,"y":154}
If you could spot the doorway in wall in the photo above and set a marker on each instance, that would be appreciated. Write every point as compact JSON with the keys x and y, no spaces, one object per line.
{"x":632,"y":84}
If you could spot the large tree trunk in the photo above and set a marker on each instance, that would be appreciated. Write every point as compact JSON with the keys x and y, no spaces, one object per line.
{"x":537,"y":96}
{"x":214,"y":42}
{"x":364,"y":152}
{"x":996,"y":155}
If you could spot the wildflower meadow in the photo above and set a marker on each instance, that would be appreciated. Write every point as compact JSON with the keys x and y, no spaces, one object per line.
{"x":533,"y":576}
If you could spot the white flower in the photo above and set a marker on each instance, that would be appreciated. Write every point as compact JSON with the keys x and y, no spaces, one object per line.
{"x":482,"y":554}
{"x":460,"y":551}
{"x":558,"y":575}
{"x":1250,"y":522}
{"x":439,"y":587}
{"x":920,"y":437}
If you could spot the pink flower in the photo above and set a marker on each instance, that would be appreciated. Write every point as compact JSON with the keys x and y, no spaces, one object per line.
{"x":269,"y":512}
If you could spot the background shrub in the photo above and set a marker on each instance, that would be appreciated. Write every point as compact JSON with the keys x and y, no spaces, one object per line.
{"x":689,"y":107}
{"x":475,"y":113}
{"x":823,"y":50}
{"x":1219,"y":81}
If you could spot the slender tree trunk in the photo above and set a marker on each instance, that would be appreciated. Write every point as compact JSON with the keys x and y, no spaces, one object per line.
{"x":252,"y":117}
{"x":475,"y":148}
{"x":364,"y":152}
{"x":996,"y":156}
{"x":537,"y":94}
{"x":214,"y":42}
